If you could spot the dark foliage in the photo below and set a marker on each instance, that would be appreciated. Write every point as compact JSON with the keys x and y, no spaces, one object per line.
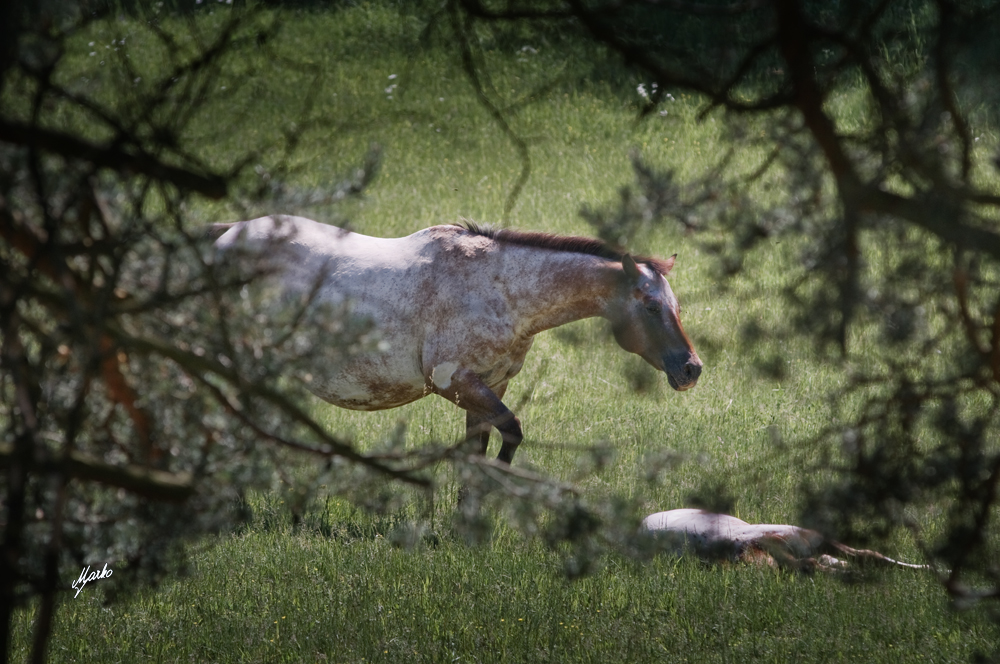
{"x":144,"y":386}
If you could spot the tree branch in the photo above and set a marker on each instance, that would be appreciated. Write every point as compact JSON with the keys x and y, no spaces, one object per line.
{"x":153,"y":484}
{"x":115,"y":158}
{"x":197,"y":366}
{"x":463,"y":30}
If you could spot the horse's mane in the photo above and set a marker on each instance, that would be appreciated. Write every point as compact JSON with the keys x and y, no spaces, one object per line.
{"x":570,"y":243}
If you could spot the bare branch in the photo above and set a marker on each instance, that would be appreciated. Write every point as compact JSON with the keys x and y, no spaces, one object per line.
{"x":114,"y":158}
{"x":198,"y":367}
{"x":153,"y":484}
{"x":942,"y":74}
{"x":463,"y":30}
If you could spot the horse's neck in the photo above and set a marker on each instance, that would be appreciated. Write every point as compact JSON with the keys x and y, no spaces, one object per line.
{"x":549,"y":290}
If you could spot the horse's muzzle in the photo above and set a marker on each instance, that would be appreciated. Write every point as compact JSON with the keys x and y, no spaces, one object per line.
{"x":686,"y":376}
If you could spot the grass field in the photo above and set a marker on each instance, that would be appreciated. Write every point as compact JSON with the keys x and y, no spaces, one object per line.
{"x":337,"y":589}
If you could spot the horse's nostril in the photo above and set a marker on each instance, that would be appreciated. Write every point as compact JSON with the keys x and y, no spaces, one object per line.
{"x":692,"y":370}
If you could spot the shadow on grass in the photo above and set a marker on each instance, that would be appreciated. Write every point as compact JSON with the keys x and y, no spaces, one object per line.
{"x":328,"y":517}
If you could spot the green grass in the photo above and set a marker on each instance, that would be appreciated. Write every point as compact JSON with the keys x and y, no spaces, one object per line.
{"x":274,"y":596}
{"x":337,"y":590}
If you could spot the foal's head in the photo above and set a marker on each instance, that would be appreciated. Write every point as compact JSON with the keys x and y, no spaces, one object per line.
{"x":646,"y":321}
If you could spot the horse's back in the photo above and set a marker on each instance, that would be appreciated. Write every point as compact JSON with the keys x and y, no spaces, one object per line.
{"x":353,"y":265}
{"x":409,"y":288}
{"x":308,"y":239}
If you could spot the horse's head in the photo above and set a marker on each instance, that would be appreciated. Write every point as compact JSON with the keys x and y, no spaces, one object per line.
{"x":646,"y":321}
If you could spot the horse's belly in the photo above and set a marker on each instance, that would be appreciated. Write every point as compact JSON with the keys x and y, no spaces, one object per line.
{"x":367,"y":390}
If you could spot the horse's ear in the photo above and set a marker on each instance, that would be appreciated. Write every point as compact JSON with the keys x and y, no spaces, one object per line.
{"x":669,"y":264}
{"x":631,"y":269}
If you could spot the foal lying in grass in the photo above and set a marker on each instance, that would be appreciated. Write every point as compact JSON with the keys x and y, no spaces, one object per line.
{"x":722,"y":537}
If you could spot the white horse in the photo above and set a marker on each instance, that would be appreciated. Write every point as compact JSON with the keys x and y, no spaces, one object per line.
{"x":457,"y":308}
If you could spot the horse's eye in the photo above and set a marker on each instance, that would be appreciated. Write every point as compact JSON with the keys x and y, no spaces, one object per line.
{"x":653,"y":307}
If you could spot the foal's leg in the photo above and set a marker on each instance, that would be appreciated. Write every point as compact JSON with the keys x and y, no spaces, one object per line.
{"x":484,"y":410}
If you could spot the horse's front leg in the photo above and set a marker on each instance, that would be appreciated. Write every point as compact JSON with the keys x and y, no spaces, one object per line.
{"x":478,"y":428}
{"x":484,"y":410}
{"x":477,"y":433}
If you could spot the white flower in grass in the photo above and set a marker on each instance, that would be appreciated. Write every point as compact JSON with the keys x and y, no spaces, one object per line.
{"x":641,"y":89}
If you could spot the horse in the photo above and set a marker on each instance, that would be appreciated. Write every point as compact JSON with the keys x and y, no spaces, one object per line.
{"x":721,"y":537}
{"x":457,"y":308}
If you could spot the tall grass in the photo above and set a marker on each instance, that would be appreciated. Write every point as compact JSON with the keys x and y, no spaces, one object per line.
{"x":336,"y":589}
{"x":272,"y":595}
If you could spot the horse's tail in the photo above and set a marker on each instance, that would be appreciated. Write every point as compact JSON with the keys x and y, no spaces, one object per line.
{"x":215,"y":231}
